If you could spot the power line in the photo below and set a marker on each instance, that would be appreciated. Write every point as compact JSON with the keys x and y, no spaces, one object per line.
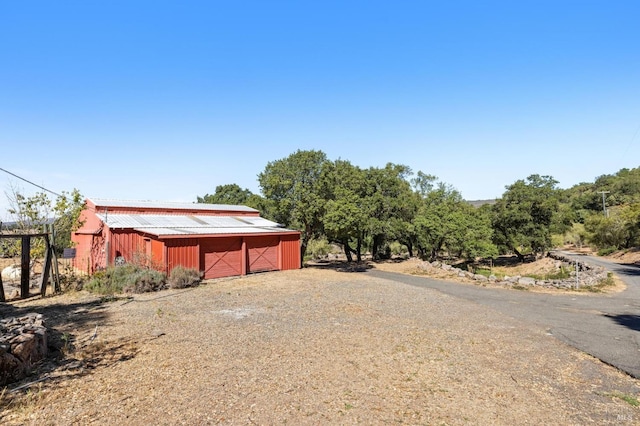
{"x":28,"y":181}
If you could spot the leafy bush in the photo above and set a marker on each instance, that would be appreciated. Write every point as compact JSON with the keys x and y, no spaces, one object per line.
{"x":126,"y":279}
{"x":318,"y":248}
{"x":606,"y":251}
{"x":145,"y":281}
{"x":398,"y":249}
{"x":557,"y":240}
{"x":181,"y":277}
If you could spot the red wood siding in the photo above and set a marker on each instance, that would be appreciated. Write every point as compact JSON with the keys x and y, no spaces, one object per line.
{"x":290,"y":252}
{"x":82,"y":261}
{"x":217,"y":255}
{"x":221,"y":257}
{"x":184,"y":252}
{"x":128,"y":244}
{"x":88,"y":243}
{"x":157,"y":253}
{"x":262,"y":253}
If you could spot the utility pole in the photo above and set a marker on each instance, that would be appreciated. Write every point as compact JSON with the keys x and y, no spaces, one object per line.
{"x":604,"y":206}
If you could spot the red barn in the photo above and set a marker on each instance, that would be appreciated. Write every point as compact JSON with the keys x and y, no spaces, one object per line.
{"x":219,"y":240}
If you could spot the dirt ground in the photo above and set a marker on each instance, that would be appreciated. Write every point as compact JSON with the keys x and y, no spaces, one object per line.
{"x":311,"y":346}
{"x":628,"y":256}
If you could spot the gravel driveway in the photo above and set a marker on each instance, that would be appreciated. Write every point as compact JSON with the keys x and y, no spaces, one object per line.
{"x":312,"y":346}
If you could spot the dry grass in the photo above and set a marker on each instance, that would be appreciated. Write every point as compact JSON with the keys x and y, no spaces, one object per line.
{"x":310,"y":347}
{"x":540,"y":267}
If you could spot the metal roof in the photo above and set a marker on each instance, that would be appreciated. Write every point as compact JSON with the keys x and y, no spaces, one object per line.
{"x":119,"y":220}
{"x":101,"y":202}
{"x":160,"y":232}
{"x":164,"y":224}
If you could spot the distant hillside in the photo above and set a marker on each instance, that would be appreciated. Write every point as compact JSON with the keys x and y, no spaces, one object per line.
{"x":478,"y":203}
{"x":14,"y":225}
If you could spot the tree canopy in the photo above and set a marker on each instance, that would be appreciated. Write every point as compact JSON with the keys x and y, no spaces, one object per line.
{"x":523,"y":216}
{"x":293,"y":185}
{"x":369,"y":209}
{"x":32,"y":212}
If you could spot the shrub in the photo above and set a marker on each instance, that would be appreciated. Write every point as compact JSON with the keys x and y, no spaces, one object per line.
{"x":606,"y":251}
{"x":384,"y":253}
{"x":398,"y":249}
{"x":318,"y":248}
{"x":601,"y":285}
{"x":557,"y":240}
{"x":126,"y":278}
{"x":145,"y":281}
{"x":181,"y":277}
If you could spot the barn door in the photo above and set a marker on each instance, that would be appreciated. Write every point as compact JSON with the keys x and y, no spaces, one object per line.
{"x":221,"y":257}
{"x":262,"y":253}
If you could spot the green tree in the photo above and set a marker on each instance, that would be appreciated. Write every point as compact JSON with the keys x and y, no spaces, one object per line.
{"x":227,"y":194}
{"x":478,"y":236}
{"x":619,"y":230}
{"x":345,"y":210}
{"x":620,"y":188}
{"x":445,"y":221}
{"x":391,"y":206}
{"x":605,"y":232}
{"x":293,"y":187}
{"x":524,"y":215}
{"x":32,"y":213}
{"x":67,"y":210}
{"x":233,"y":194}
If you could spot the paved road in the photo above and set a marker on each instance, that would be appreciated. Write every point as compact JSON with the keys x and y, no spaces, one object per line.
{"x":605,"y":326}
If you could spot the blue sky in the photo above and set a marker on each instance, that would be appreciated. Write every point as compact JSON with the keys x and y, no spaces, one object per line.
{"x":165,"y":100}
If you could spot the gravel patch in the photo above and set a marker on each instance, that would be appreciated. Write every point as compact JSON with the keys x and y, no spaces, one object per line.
{"x":313,"y":346}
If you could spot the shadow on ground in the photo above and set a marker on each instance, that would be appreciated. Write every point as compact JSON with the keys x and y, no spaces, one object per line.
{"x":630,"y":321}
{"x":629,"y":269}
{"x":70,"y":354}
{"x":339,"y":265}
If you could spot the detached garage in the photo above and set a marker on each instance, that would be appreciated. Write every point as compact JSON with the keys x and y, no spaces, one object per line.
{"x":219,"y":240}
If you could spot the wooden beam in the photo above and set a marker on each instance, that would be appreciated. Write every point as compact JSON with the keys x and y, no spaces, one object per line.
{"x":55,"y":273}
{"x":24,"y":264}
{"x":2,"y":299}
{"x":44,"y":279}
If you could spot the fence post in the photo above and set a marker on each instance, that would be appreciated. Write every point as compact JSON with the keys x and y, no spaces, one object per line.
{"x":54,"y":258}
{"x":2,"y":299}
{"x":25,"y":260}
{"x":44,"y":279}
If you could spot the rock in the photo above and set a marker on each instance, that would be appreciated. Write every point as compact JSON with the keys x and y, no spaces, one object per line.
{"x":424,"y":265}
{"x":11,"y":273}
{"x":526,"y":281}
{"x":480,"y":278}
{"x":22,"y":346}
{"x":23,"y":342}
{"x":11,"y":368}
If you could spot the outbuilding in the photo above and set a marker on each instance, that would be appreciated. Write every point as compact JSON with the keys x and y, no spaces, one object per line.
{"x":217,"y":239}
